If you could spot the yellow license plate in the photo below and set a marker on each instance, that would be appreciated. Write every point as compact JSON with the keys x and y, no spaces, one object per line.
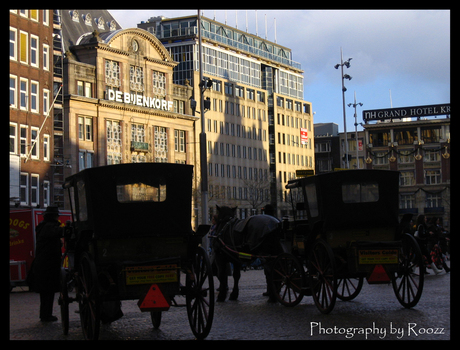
{"x":378,"y":256}
{"x":151,"y":274}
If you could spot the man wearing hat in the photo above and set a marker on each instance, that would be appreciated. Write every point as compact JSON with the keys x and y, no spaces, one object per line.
{"x":47,"y":263}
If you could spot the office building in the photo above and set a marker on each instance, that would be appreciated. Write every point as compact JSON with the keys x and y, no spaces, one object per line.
{"x":258,"y":127}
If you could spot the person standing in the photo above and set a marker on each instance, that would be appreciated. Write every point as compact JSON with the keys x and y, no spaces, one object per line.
{"x":47,"y":263}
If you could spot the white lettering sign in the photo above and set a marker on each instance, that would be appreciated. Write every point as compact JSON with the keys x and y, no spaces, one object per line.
{"x":137,"y":100}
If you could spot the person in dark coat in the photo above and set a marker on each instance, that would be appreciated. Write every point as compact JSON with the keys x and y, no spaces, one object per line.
{"x":47,"y":263}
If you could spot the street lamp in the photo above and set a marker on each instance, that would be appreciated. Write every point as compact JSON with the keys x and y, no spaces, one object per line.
{"x":204,"y":104}
{"x":356,"y":127}
{"x":344,"y":76}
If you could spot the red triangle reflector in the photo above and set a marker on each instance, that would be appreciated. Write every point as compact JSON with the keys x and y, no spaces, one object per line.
{"x":378,"y":275}
{"x":154,"y":300}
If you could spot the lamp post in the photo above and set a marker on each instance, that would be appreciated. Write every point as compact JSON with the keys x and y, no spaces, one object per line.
{"x":204,"y":105}
{"x":344,"y":76}
{"x":356,"y":128}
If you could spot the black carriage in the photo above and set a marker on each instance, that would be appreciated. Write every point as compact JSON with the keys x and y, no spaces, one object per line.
{"x":346,"y":229}
{"x":131,"y":239}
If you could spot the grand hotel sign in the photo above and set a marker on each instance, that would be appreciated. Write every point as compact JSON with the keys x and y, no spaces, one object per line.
{"x":406,"y":112}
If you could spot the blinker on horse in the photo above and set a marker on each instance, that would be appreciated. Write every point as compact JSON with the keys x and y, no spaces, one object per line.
{"x":255,"y":237}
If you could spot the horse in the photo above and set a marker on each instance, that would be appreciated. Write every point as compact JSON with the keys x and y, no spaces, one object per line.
{"x":256,"y":236}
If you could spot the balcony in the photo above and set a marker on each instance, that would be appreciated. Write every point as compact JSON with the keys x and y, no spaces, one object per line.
{"x":139,"y":146}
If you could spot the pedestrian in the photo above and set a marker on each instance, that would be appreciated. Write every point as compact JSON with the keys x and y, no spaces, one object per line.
{"x":423,"y":236}
{"x":47,"y":263}
{"x":435,"y":245}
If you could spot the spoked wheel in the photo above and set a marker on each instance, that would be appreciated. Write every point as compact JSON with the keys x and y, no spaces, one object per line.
{"x":63,"y":300}
{"x":349,"y":288}
{"x":200,"y":294}
{"x":408,"y":280}
{"x":322,"y":276}
{"x":88,"y":297}
{"x":287,"y":279}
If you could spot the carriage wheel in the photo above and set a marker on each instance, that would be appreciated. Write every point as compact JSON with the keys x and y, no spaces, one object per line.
{"x":322,"y":276}
{"x":89,"y":300}
{"x":63,"y":300}
{"x":349,"y":288}
{"x":287,"y":279}
{"x":408,"y":280}
{"x":200,"y":294}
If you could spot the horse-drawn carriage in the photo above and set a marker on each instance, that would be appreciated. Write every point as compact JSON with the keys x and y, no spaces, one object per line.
{"x":130,"y":239}
{"x":346,"y":228}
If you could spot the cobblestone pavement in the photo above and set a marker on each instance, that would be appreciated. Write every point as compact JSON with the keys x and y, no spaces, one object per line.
{"x":375,"y":314}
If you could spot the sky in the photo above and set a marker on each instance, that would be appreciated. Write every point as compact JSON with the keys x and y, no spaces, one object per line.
{"x":400,"y":58}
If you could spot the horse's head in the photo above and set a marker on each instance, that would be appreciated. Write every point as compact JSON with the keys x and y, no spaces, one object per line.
{"x":225,"y":213}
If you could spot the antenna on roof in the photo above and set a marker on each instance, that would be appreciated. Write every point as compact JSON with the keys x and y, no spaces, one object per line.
{"x":246,"y":21}
{"x":265,"y":26}
{"x":275,"y":28}
{"x":257,"y":27}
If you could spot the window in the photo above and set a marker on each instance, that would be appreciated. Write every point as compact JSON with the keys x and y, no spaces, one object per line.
{"x":112,"y":74}
{"x":159,"y":83}
{"x":24,"y":47}
{"x":381,"y":158}
{"x":431,"y":156}
{"x":406,"y":201}
{"x":13,"y":44}
{"x":406,"y":157}
{"x":360,"y":192}
{"x":113,"y":142}
{"x":432,"y":177}
{"x":23,"y":140}
{"x":24,"y":189}
{"x":45,"y":17}
{"x":405,"y":136}
{"x":34,"y":50}
{"x":13,"y":89}
{"x":136,"y":78}
{"x":85,"y":128}
{"x":46,"y":101}
{"x":406,"y":178}
{"x":13,"y":137}
{"x":84,"y":88}
{"x":34,"y":190}
{"x":46,"y":147}
{"x":160,"y":144}
{"x":431,"y":134}
{"x":141,"y":192}
{"x":34,"y":15}
{"x":137,"y":133}
{"x":433,"y":200}
{"x":34,"y":141}
{"x":34,"y":97}
{"x":85,"y":159}
{"x":46,"y":56}
{"x":310,"y":191}
{"x":24,"y":94}
{"x":179,"y":141}
{"x":46,"y":192}
{"x":379,"y":139}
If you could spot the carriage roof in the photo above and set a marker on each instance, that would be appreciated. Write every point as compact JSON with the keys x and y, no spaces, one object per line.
{"x":138,"y":199}
{"x":351,"y":198}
